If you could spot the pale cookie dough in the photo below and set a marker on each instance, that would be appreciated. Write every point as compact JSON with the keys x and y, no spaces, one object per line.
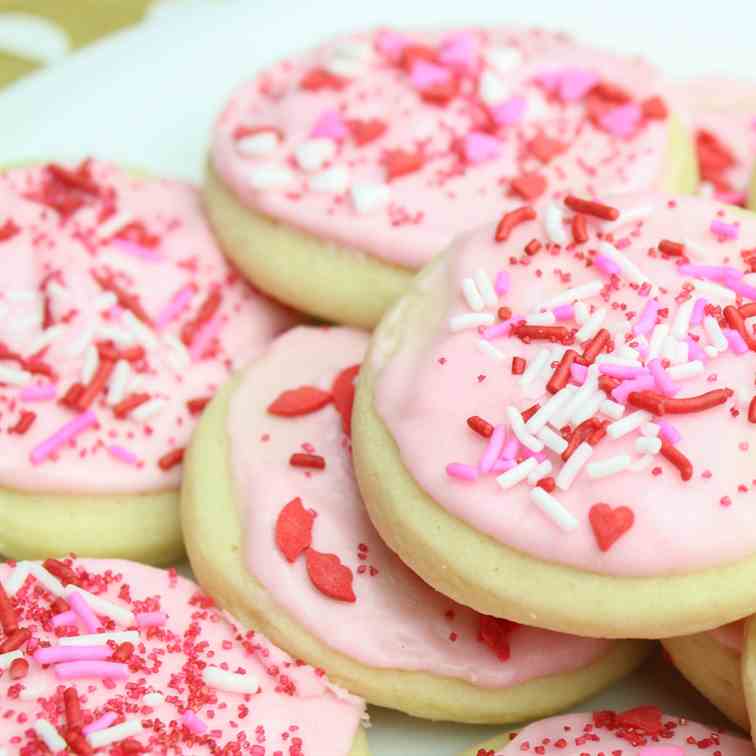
{"x":336,"y":174}
{"x":324,"y":586}
{"x":114,"y":657}
{"x":119,"y":318}
{"x":649,"y":530}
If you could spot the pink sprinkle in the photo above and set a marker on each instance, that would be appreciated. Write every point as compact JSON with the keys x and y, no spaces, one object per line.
{"x":459,"y":51}
{"x":205,"y":336}
{"x":647,"y":320}
{"x":699,"y":310}
{"x":735,"y":340}
{"x":38,"y":393}
{"x":493,"y":449}
{"x":136,"y":250}
{"x":575,"y":83}
{"x":550,"y":80}
{"x":174,"y":308}
{"x":623,"y":120}
{"x":669,"y":431}
{"x":606,"y":265}
{"x":623,"y":243}
{"x":502,"y":465}
{"x":510,"y":111}
{"x":461,"y":471}
{"x":100,"y":669}
{"x":193,"y":723}
{"x":480,"y":147}
{"x":123,"y":454}
{"x":64,"y":618}
{"x":502,"y":282}
{"x":330,"y":125}
{"x":102,"y":723}
{"x":694,"y":350}
{"x":151,"y":619}
{"x":56,"y":654}
{"x":666,"y":385}
{"x":740,"y":287}
{"x":731,"y":198}
{"x":425,"y":75}
{"x":86,"y":615}
{"x":391,"y":44}
{"x":497,"y":331}
{"x":539,"y":456}
{"x":643,"y":383}
{"x":70,"y":430}
{"x":564,"y":312}
{"x":578,"y":373}
{"x":510,"y":449}
{"x":723,"y":230}
{"x":711,"y":272}
{"x":625,"y":372}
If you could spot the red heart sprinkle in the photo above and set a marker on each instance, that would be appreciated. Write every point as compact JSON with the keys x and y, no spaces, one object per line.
{"x":413,"y":53}
{"x":495,"y":632}
{"x":529,"y":186}
{"x":605,"y":718}
{"x":330,"y":576}
{"x":654,"y":108}
{"x":646,"y":718}
{"x":364,"y":132}
{"x":299,"y":401}
{"x":294,"y":529}
{"x":343,"y":396}
{"x":320,"y":78}
{"x":544,"y":148}
{"x":399,"y":163}
{"x":610,"y":524}
{"x":441,"y":94}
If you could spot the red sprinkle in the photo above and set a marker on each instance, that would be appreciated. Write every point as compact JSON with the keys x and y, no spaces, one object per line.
{"x":529,"y":412}
{"x":480,"y":426}
{"x":494,"y":633}
{"x":399,"y":163}
{"x":205,"y":314}
{"x":673,"y":249}
{"x":171,"y":459}
{"x":504,"y":313}
{"x":294,"y":529}
{"x":752,"y":410}
{"x":124,"y":652}
{"x":661,"y":405}
{"x":125,"y":299}
{"x":736,"y":321}
{"x":547,"y":484}
{"x":71,"y":398}
{"x":18,"y":669}
{"x":654,"y":108}
{"x":540,"y":332}
{"x":195,"y":406}
{"x":96,"y":385}
{"x":15,"y":640}
{"x":589,"y":207}
{"x":299,"y":401}
{"x":74,"y":718}
{"x":314,"y":461}
{"x":8,"y":618}
{"x":518,"y":365}
{"x":579,"y":229}
{"x":320,"y":78}
{"x":364,"y":132}
{"x":609,"y":524}
{"x":678,"y":459}
{"x":513,"y":219}
{"x":607,"y":384}
{"x":561,"y":374}
{"x":342,"y":391}
{"x":23,"y":424}
{"x":61,"y":571}
{"x":130,"y":403}
{"x":533,"y":247}
{"x":8,"y":230}
{"x":330,"y":576}
{"x":596,"y":345}
{"x":529,"y":186}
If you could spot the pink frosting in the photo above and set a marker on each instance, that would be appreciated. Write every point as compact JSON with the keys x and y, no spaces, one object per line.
{"x":437,"y":379}
{"x":149,"y":237}
{"x":513,"y":85}
{"x":397,"y":621}
{"x":294,"y":709}
{"x":590,"y":735}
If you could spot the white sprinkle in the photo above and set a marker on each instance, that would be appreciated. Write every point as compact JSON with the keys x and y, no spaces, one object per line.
{"x":628,"y":353}
{"x":14,"y":376}
{"x":541,"y":318}
{"x":270,"y":177}
{"x":552,"y":440}
{"x":641,"y":463}
{"x":120,"y":336}
{"x":257,"y":145}
{"x":612,"y":359}
{"x":542,"y":471}
{"x":588,"y":408}
{"x":612,"y":409}
{"x":583,"y":396}
{"x":573,"y":465}
{"x":178,"y":355}
{"x":114,"y":734}
{"x":91,"y":363}
{"x":119,"y":382}
{"x":560,"y":418}
{"x":57,"y":292}
{"x":682,"y":319}
{"x":485,"y":287}
{"x":355,"y":50}
{"x":518,"y":428}
{"x":592,"y":326}
{"x":231,"y":682}
{"x":628,"y":424}
{"x":143,"y":334}
{"x":470,"y":320}
{"x":651,"y":430}
{"x":582,"y":313}
{"x":472,"y":295}
{"x":714,"y":291}
{"x":153,"y":699}
{"x":711,"y":351}
{"x":576,"y":293}
{"x":504,"y":59}
{"x":34,"y":691}
{"x":669,"y":348}
{"x":334,"y":180}
{"x":147,"y":410}
{"x":628,"y":216}
{"x":628,"y":268}
{"x":548,"y":410}
{"x":369,"y":197}
{"x":47,"y":337}
{"x":492,"y":89}
{"x":714,"y":333}
{"x":648,"y":445}
{"x":100,"y":639}
{"x":658,"y":337}
{"x":680,"y":357}
{"x":49,"y":735}
{"x":105,"y":301}
{"x":517,"y":474}
{"x":7,"y":659}
{"x":535,"y":367}
{"x":107,"y":608}
{"x":553,"y":509}
{"x":606,"y":467}
{"x":488,"y":348}
{"x":314,"y":153}
{"x":82,"y":341}
{"x":17,"y":578}
{"x":552,"y":221}
{"x":344,"y":66}
{"x":113,"y":224}
{"x":50,"y":582}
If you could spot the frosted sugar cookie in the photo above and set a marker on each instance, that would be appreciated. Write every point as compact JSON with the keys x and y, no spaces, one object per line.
{"x":557,"y":423}
{"x":277,"y":532}
{"x":644,"y":731}
{"x":107,"y":656}
{"x":336,"y":174}
{"x":119,"y":318}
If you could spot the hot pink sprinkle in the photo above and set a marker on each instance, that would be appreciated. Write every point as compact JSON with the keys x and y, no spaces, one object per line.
{"x":642,"y":383}
{"x":735,"y":340}
{"x":711,"y":272}
{"x":493,"y":449}
{"x":57,"y":654}
{"x":510,"y":111}
{"x":647,"y":320}
{"x":70,"y":430}
{"x":136,"y":250}
{"x":497,"y":331}
{"x":740,"y":287}
{"x":723,"y":230}
{"x":102,"y":723}
{"x":425,"y":75}
{"x":699,"y":310}
{"x":666,"y":385}
{"x":100,"y":669}
{"x":578,"y":373}
{"x":38,"y":393}
{"x":151,"y":619}
{"x":669,"y":431}
{"x":64,"y":618}
{"x":510,"y":449}
{"x":480,"y":147}
{"x":564,"y":312}
{"x":193,"y":723}
{"x":695,"y":352}
{"x":205,"y":336}
{"x":575,"y":83}
{"x":391,"y":44}
{"x":539,"y":456}
{"x":461,"y":471}
{"x":622,"y":121}
{"x":123,"y":454}
{"x":624,"y":372}
{"x":606,"y":265}
{"x":460,"y":51}
{"x":174,"y":308}
{"x":502,"y":465}
{"x":502,"y":282}
{"x":84,"y":612}
{"x":330,"y":125}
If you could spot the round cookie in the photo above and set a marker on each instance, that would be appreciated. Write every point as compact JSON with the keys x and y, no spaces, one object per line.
{"x":277,"y":533}
{"x":113,"y":657}
{"x":711,"y":661}
{"x":643,"y":730}
{"x":119,"y":318}
{"x":333,"y":176}
{"x":566,"y":502}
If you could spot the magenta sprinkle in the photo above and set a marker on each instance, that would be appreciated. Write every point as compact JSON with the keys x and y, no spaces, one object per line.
{"x":510,"y":448}
{"x":666,"y":385}
{"x":493,"y":449}
{"x":724,"y":230}
{"x":695,"y":352}
{"x":509,"y":112}
{"x":740,"y":287}
{"x":84,"y":612}
{"x":174,"y":308}
{"x":151,"y":619}
{"x":102,"y":723}
{"x":643,"y":383}
{"x":699,"y":310}
{"x":539,"y":456}
{"x":461,"y":471}
{"x":38,"y":393}
{"x":647,"y":320}
{"x":498,"y":331}
{"x":70,"y":430}
{"x":57,"y":654}
{"x":193,"y":723}
{"x":502,"y":465}
{"x":564,"y":312}
{"x":136,"y":250}
{"x":624,"y":372}
{"x":101,"y":669}
{"x":606,"y":265}
{"x":578,"y":373}
{"x":735,"y":340}
{"x":711,"y":272}
{"x":64,"y":618}
{"x":669,"y":431}
{"x":501,"y":284}
{"x":123,"y":454}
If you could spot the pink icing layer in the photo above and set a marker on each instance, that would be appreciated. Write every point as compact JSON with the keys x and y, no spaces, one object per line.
{"x":437,"y":379}
{"x":593,"y":735}
{"x":730,"y":636}
{"x":397,"y":621}
{"x":149,"y":237}
{"x":514,"y":85}
{"x":294,"y":710}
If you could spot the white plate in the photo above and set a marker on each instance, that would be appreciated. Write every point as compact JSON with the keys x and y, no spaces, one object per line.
{"x":147,"y":97}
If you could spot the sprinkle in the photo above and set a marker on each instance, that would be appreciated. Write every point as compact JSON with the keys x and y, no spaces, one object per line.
{"x":627,"y":424}
{"x":662,"y":378}
{"x":96,"y":385}
{"x":621,"y":371}
{"x":57,"y":654}
{"x":647,"y":320}
{"x":735,"y":340}
{"x":270,"y":177}
{"x":714,"y":333}
{"x":193,"y":723}
{"x":582,"y":313}
{"x":673,"y":249}
{"x":509,"y":221}
{"x":716,"y":292}
{"x":230,"y":682}
{"x":595,"y":209}
{"x":535,"y":367}
{"x":480,"y":426}
{"x":648,"y":445}
{"x":480,"y":147}
{"x":547,"y":411}
{"x":510,"y":111}
{"x":178,"y":303}
{"x":611,"y":409}
{"x":724,"y":230}
{"x":470,"y":320}
{"x":669,"y":432}
{"x":678,"y":459}
{"x":117,"y":613}
{"x":7,"y":659}
{"x":607,"y":467}
{"x":98,"y":669}
{"x":553,"y":509}
{"x":135,"y":250}
{"x":49,"y":735}
{"x":312,"y":154}
{"x":84,"y":612}
{"x":486,"y":288}
{"x":752,"y":411}
{"x":658,"y":337}
{"x":118,"y":382}
{"x":518,"y":428}
{"x":501,"y":286}
{"x":541,"y":318}
{"x":596,"y":345}
{"x":584,"y":291}
{"x":103,"y":722}
{"x":69,"y":431}
{"x":572,"y":467}
{"x":607,"y":266}
{"x":151,"y":619}
{"x":46,"y":338}
{"x":472,"y":295}
{"x":591,"y":327}
{"x":739,"y":286}
{"x":552,"y":440}
{"x":517,"y":474}
{"x":562,"y":372}
{"x":542,"y":333}
{"x":489,"y":349}
{"x":102,"y":738}
{"x":14,"y":376}
{"x":552,"y":221}
{"x":368,"y":197}
{"x":312,"y":461}
{"x":628,"y":268}
{"x":622,"y":120}
{"x":461,"y":471}
{"x":493,"y":449}
{"x":699,"y":310}
{"x":171,"y":459}
{"x":113,"y":225}
{"x":148,"y":410}
{"x":38,"y":393}
{"x":579,"y":229}
{"x":130,"y":636}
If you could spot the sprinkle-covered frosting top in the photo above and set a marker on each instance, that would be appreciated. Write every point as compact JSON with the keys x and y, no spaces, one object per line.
{"x":119,"y":318}
{"x":113,"y":657}
{"x":642,"y":731}
{"x":389,"y":142}
{"x":578,"y":370}
{"x":309,"y":541}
